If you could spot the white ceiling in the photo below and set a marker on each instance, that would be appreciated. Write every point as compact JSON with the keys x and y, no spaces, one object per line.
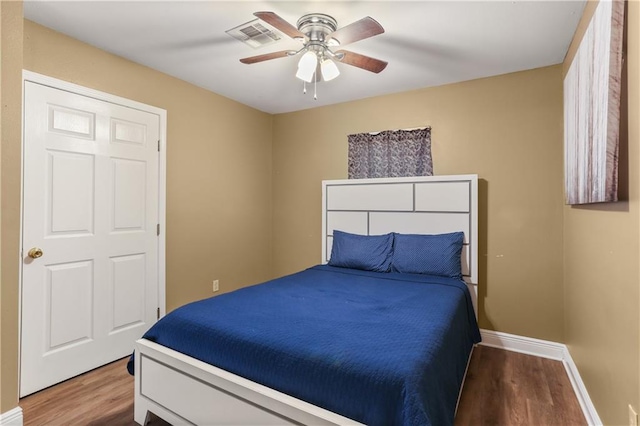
{"x":427,"y":43}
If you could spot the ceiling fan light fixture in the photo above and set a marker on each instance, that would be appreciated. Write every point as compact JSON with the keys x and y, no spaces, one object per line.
{"x":307,"y":66}
{"x":329,"y":70}
{"x":319,"y":34}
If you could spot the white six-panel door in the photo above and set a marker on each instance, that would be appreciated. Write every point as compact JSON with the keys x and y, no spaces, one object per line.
{"x":91,"y":206}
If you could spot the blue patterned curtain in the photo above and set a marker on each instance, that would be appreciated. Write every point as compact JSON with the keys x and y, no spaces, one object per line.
{"x":392,"y":153}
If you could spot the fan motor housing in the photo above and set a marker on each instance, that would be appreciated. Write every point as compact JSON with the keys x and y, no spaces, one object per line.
{"x":317,"y":26}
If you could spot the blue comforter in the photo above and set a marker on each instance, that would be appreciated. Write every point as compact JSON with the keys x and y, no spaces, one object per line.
{"x":380,"y":348}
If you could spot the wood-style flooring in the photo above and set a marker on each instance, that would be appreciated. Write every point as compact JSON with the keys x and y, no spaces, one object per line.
{"x":501,"y":388}
{"x":508,"y":388}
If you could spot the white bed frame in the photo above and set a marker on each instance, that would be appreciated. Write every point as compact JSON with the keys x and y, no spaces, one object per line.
{"x":183,"y":390}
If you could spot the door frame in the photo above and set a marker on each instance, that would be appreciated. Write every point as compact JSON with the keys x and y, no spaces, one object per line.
{"x":30,"y":76}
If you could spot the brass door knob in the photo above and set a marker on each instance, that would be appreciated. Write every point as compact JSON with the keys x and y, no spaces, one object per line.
{"x":35,"y":253}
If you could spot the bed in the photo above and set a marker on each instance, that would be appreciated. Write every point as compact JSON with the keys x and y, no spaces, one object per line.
{"x":317,"y":334}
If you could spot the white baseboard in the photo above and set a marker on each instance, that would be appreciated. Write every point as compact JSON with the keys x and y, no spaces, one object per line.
{"x":525,"y":345}
{"x":580,"y":389}
{"x":551,"y":350}
{"x":11,"y":417}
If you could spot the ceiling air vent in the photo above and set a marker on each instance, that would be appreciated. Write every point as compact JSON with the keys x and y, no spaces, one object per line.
{"x":254,"y":34}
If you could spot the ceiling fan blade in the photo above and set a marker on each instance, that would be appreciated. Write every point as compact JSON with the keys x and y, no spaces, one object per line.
{"x":359,"y":30}
{"x":361,"y":61}
{"x":279,"y":23}
{"x":265,"y":57}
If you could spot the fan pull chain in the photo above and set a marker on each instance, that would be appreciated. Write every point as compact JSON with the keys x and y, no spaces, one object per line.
{"x":315,"y":89}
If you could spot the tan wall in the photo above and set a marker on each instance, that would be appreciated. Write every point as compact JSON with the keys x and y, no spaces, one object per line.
{"x":601,"y":274}
{"x":218,"y":177}
{"x":10,"y":150}
{"x":507,"y":129}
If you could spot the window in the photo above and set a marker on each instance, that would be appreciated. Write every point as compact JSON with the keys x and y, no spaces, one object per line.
{"x":392,"y":153}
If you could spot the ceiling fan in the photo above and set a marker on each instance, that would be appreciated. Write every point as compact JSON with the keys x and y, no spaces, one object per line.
{"x":319,"y":34}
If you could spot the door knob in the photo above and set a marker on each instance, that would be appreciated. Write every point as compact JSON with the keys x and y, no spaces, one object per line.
{"x":35,"y":253}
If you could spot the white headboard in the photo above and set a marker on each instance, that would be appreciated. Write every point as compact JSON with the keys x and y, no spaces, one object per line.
{"x":414,"y":205}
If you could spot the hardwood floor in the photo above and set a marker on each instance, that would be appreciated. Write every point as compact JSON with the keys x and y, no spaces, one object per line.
{"x":508,"y":388}
{"x":501,"y":388}
{"x":103,"y":396}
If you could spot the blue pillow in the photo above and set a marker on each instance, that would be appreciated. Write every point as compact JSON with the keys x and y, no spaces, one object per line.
{"x":366,"y":252}
{"x":428,"y":254}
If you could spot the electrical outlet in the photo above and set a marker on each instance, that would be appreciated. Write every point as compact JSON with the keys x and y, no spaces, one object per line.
{"x":216,"y":285}
{"x":633,"y":416}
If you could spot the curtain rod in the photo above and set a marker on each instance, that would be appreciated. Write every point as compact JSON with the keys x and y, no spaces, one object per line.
{"x":397,"y":130}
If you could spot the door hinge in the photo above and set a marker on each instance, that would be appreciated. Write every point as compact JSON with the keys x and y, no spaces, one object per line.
{"x":158,"y":229}
{"x":158,"y":313}
{"x":158,"y":145}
